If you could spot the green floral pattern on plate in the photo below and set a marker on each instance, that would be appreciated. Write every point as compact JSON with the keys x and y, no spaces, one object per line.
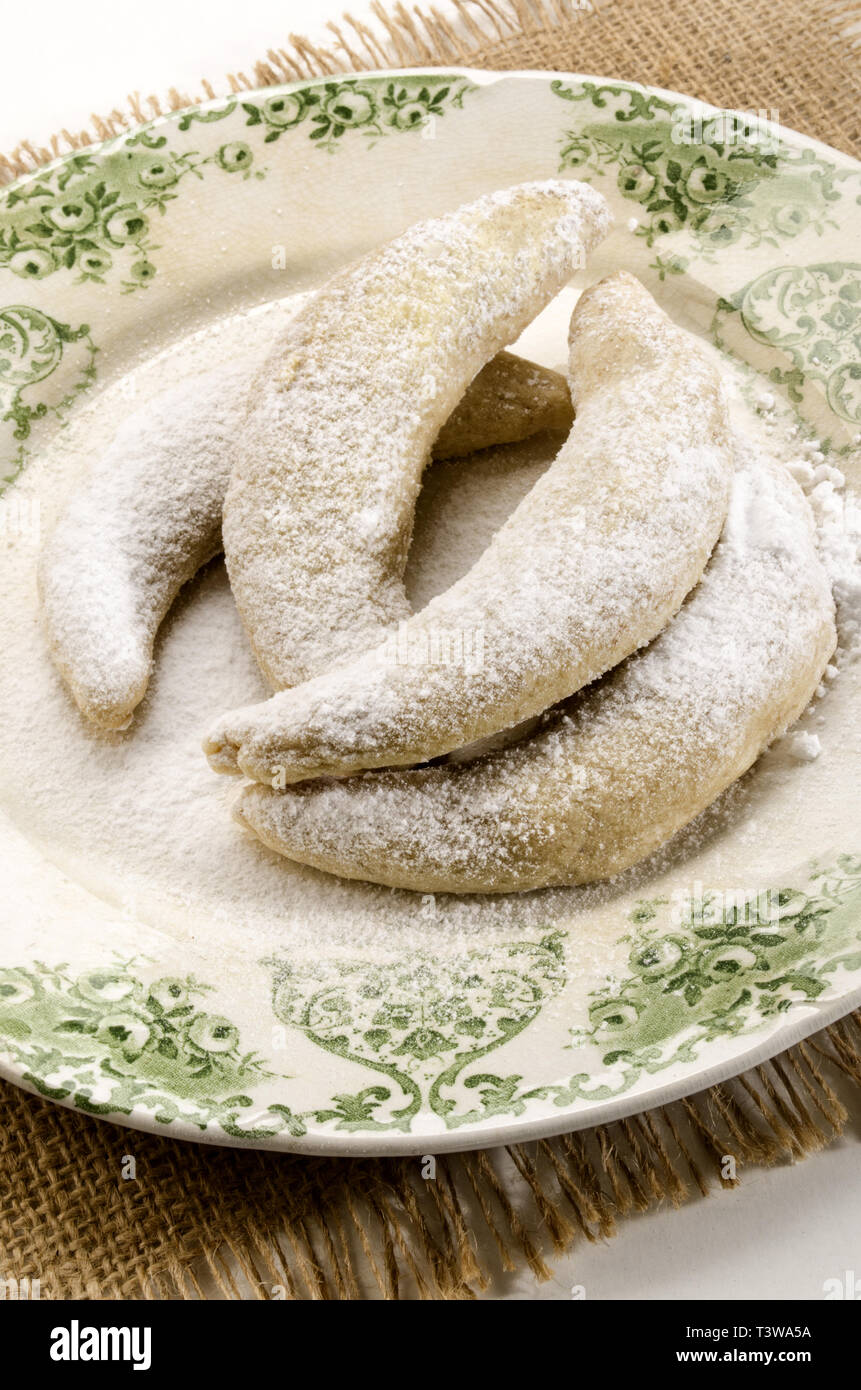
{"x":108,"y":1043}
{"x":373,"y":108}
{"x":96,"y":215}
{"x":810,"y":315}
{"x":736,"y":182}
{"x":32,"y":346}
{"x":718,"y":969}
{"x":420,"y":1024}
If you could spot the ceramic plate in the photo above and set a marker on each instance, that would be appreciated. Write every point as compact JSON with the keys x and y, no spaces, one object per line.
{"x":164,"y":970}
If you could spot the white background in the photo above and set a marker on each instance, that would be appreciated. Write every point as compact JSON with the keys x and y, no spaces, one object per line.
{"x":784,"y":1231}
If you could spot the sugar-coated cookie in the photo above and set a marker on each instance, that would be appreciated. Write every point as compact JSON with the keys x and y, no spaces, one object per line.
{"x":615,"y":771}
{"x":319,"y":511}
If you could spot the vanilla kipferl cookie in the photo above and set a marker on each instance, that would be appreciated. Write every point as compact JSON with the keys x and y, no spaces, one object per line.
{"x":147,"y":515}
{"x":590,"y":566}
{"x":621,"y":767}
{"x":318,"y":514}
{"x":135,"y":528}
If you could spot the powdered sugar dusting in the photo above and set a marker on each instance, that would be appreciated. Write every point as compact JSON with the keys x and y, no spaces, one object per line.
{"x":319,"y":511}
{"x":838,"y":522}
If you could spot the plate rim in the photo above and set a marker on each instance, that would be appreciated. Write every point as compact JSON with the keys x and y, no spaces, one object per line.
{"x":487,"y":75}
{"x":397,"y":1144}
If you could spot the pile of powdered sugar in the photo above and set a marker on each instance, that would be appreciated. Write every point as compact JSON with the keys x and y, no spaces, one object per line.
{"x":837,"y":513}
{"x":835,"y":506}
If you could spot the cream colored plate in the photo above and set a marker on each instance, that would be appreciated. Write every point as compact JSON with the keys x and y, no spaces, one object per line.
{"x":158,"y":967}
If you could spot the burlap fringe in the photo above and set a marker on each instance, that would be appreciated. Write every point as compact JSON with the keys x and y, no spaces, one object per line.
{"x":263,"y":1226}
{"x":418,"y":1238}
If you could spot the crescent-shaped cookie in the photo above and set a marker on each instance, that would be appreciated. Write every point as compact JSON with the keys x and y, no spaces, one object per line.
{"x":139,"y":524}
{"x":619,"y":768}
{"x":148,"y":515}
{"x":590,"y":566}
{"x":318,"y":514}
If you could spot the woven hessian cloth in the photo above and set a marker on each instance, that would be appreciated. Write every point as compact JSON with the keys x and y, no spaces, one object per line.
{"x":200,"y":1220}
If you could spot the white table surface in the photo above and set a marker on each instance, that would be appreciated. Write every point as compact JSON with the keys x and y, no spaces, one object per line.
{"x":783,"y":1232}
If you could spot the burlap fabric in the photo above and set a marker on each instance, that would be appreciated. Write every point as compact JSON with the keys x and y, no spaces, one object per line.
{"x":198,"y":1219}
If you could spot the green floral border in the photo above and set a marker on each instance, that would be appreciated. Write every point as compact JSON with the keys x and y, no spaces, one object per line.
{"x":32,"y":346}
{"x":733,"y":180}
{"x":95,"y":215}
{"x":421,"y":1026}
{"x":724,"y":966}
{"x":702,"y":969}
{"x":373,"y":107}
{"x":808,"y":315}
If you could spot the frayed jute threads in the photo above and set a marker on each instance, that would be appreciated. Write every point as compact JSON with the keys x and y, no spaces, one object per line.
{"x":251,"y":1225}
{"x":255,"y":1225}
{"x":724,"y":54}
{"x":396,"y":37}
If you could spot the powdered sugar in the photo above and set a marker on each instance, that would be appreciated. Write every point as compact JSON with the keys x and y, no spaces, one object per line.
{"x":591,"y":565}
{"x":822,"y":474}
{"x":803,"y":746}
{"x":838,"y":522}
